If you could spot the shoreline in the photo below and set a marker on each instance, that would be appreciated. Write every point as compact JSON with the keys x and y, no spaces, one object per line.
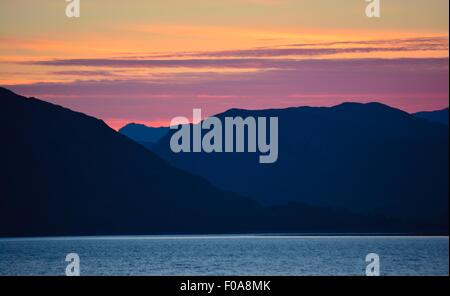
{"x":226,"y":236}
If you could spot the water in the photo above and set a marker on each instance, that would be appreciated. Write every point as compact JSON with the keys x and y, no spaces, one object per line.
{"x":226,"y":255}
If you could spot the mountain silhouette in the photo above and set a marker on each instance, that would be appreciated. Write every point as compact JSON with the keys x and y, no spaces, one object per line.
{"x":65,"y":173}
{"x":364,"y":158}
{"x":440,"y":116}
{"x":143,"y":134}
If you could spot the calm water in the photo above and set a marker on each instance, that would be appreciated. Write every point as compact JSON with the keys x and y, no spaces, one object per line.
{"x":226,"y":255}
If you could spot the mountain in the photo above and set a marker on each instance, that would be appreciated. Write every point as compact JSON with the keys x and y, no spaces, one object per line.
{"x":65,"y":173}
{"x":143,"y":134}
{"x":364,"y":158}
{"x":440,"y":116}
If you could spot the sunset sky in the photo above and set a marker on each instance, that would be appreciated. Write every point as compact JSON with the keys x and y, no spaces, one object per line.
{"x":148,"y":61}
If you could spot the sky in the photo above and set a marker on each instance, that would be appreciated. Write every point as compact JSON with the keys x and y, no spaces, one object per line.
{"x":148,"y":61}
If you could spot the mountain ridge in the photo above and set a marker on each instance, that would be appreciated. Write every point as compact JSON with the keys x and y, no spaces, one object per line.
{"x":395,"y":162}
{"x":439,"y":116}
{"x":66,"y":173}
{"x":142,"y":133}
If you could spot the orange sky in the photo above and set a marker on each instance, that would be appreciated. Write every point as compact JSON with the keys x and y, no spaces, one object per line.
{"x":148,"y":61}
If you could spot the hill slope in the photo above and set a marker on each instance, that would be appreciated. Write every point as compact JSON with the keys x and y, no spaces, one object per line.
{"x":65,"y":173}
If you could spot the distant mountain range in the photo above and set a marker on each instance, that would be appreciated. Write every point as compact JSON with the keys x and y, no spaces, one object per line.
{"x":440,"y":116}
{"x":369,"y":159}
{"x":65,"y":173}
{"x":143,"y":134}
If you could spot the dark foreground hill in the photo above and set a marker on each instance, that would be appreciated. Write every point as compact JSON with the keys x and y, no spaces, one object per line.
{"x":65,"y":173}
{"x":365,"y":158}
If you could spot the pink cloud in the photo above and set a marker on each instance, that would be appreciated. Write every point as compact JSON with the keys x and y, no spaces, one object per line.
{"x":409,"y":84}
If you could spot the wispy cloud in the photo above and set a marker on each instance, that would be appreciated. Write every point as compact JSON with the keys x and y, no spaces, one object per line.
{"x":84,"y":73}
{"x":436,"y":42}
{"x":410,"y":84}
{"x":265,"y":58}
{"x":331,"y":48}
{"x":263,"y":64}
